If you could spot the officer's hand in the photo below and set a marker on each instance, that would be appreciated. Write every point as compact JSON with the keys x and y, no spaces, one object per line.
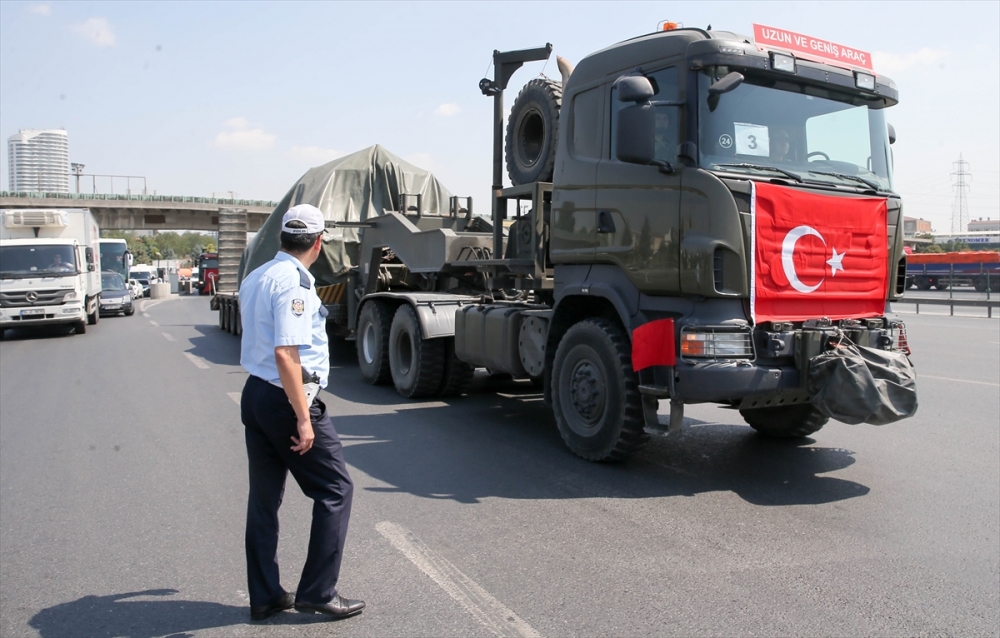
{"x":305,"y":439}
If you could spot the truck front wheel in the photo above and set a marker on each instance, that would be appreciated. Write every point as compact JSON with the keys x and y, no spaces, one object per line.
{"x":786,"y":421}
{"x":595,"y":395}
{"x":374,"y":322}
{"x":95,"y":316}
{"x":417,"y":364}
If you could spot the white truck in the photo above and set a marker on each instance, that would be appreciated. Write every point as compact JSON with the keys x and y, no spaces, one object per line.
{"x":49,"y":268}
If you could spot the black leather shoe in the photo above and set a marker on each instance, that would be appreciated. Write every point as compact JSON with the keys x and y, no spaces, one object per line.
{"x":339,"y":607}
{"x":266,"y":611}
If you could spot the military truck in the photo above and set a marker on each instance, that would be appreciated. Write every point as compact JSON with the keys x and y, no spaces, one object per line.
{"x":693,"y":217}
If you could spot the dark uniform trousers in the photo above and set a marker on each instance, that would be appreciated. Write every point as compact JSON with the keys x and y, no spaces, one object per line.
{"x":321,"y":473}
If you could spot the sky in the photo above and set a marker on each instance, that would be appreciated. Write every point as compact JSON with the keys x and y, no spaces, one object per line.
{"x":213,"y":98}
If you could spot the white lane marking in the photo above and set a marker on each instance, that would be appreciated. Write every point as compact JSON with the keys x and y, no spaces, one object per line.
{"x":168,"y":336}
{"x":235,"y":396}
{"x":146,"y":315}
{"x":483,"y":607}
{"x":197,"y":361}
{"x":927,"y":376}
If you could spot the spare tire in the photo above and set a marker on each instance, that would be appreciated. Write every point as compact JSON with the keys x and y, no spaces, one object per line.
{"x":532,"y":132}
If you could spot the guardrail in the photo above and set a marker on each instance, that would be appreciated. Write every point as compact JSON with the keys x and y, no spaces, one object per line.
{"x":140,"y":198}
{"x":989,"y":304}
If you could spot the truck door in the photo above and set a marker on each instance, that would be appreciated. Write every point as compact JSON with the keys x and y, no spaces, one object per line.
{"x":638,"y":206}
{"x":573,"y":225}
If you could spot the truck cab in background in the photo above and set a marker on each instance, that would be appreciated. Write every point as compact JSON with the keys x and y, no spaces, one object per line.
{"x":49,"y":268}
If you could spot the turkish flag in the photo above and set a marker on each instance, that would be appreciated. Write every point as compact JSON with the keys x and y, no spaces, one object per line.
{"x":817,"y":255}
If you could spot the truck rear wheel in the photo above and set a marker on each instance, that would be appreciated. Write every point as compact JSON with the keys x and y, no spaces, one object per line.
{"x":458,"y":374}
{"x":417,"y":364}
{"x":786,"y":421}
{"x":532,"y":132}
{"x":374,"y":323}
{"x":95,"y":316}
{"x":595,"y":396}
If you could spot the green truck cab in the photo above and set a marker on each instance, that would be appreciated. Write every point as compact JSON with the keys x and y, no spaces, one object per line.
{"x":659,"y":144}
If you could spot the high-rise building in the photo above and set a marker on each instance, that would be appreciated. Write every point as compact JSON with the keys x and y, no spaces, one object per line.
{"x":39,"y":161}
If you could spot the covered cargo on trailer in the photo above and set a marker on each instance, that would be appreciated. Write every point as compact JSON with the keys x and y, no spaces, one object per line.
{"x":348,"y":189}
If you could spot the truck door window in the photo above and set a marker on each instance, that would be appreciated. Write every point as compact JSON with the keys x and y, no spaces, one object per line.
{"x":587,"y":124}
{"x":665,"y":87}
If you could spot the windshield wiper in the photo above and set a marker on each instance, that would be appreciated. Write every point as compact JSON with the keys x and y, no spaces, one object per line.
{"x":761,"y":167}
{"x":852,"y":178}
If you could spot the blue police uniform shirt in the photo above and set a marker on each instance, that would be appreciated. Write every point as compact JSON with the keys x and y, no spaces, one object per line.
{"x":280,"y":307}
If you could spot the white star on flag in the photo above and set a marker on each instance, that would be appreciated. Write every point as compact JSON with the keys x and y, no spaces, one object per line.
{"x":835,"y":262}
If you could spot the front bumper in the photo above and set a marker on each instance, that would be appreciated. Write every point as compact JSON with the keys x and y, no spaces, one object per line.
{"x":65,"y":313}
{"x":773,"y":361}
{"x":113,"y":307}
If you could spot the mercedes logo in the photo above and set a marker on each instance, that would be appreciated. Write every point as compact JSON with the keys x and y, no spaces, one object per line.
{"x":31,"y":297}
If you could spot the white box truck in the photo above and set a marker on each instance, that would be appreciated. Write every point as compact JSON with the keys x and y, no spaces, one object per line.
{"x":49,"y":268}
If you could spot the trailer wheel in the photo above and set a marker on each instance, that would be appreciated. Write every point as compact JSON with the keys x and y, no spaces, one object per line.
{"x":532,"y":132}
{"x":595,"y":396}
{"x":995,"y":284}
{"x":941,"y":285}
{"x":237,"y":321}
{"x":923,"y":283}
{"x":458,"y":374}
{"x":374,"y":323}
{"x":786,"y":421}
{"x":417,"y":364}
{"x":233,"y":329}
{"x":80,"y":327}
{"x":979,"y":283}
{"x":222,"y":316}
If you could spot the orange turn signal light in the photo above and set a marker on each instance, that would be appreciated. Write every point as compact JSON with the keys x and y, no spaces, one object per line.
{"x":667,"y":25}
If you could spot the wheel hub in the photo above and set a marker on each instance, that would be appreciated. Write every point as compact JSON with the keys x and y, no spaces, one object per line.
{"x":587,"y":392}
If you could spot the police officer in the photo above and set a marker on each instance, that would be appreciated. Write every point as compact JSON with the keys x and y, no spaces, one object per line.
{"x":285,"y":351}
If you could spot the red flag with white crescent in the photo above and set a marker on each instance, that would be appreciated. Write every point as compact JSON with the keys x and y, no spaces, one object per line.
{"x":817,"y":255}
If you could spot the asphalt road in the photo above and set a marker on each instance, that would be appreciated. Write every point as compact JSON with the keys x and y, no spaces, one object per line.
{"x":123,"y":487}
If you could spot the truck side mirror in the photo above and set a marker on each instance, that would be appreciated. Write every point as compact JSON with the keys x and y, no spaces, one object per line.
{"x":634,"y":88}
{"x":635,"y":134}
{"x":892,"y":133}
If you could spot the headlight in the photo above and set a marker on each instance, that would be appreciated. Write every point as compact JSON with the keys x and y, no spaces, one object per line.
{"x":72,"y":295}
{"x":864,"y":81}
{"x":716,"y":344}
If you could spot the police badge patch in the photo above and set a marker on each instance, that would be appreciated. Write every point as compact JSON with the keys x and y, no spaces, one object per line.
{"x":298,"y":307}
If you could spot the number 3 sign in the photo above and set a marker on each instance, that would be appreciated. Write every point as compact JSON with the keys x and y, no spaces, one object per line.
{"x":752,"y":139}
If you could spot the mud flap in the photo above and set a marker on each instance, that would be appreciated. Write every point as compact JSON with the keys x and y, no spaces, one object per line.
{"x":854,"y":384}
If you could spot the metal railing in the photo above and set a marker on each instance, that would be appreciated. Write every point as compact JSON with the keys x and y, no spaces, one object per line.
{"x":989,"y":304}
{"x":261,"y":203}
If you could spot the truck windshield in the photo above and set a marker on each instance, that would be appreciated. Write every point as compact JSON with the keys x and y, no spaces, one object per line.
{"x":803,"y":132}
{"x":18,"y":262}
{"x":208,"y":263}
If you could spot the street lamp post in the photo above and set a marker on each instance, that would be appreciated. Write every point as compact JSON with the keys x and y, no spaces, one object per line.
{"x":78,"y":171}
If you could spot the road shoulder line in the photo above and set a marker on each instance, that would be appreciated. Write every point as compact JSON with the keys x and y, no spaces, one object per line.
{"x":477,"y":601}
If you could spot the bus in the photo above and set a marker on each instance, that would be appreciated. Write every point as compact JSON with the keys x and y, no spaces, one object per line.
{"x":115,"y":257}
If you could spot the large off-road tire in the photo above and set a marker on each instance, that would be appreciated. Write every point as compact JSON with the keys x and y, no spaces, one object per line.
{"x":458,"y":374}
{"x":417,"y":364}
{"x":786,"y":421}
{"x":595,"y":395}
{"x":80,"y":327}
{"x":374,"y":323}
{"x":532,"y":132}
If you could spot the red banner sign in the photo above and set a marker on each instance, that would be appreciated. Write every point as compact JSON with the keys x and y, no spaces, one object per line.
{"x":810,"y":47}
{"x":817,"y":256}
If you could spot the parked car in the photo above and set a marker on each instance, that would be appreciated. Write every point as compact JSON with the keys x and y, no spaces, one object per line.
{"x":116,"y":297}
{"x":135,"y":287}
{"x":144,"y":280}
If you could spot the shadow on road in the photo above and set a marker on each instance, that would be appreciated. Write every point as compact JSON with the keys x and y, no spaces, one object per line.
{"x":216,"y":346}
{"x":115,"y":616}
{"x":38,"y":332}
{"x":507,"y":445}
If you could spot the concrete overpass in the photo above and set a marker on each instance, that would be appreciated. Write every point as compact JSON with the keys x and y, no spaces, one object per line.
{"x":144,"y":212}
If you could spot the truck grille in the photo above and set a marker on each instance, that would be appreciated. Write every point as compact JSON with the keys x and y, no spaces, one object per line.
{"x":19,"y":299}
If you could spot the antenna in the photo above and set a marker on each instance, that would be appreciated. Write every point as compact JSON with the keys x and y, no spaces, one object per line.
{"x":960,"y":207}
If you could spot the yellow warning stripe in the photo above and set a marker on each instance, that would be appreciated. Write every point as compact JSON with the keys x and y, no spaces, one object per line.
{"x":331,"y":294}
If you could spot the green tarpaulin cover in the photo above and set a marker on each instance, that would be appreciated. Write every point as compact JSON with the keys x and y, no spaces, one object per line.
{"x":351,"y":188}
